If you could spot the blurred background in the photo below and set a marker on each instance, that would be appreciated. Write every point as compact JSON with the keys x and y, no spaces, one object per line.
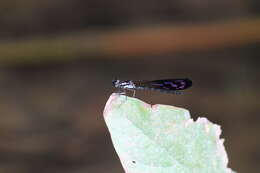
{"x":58,"y":58}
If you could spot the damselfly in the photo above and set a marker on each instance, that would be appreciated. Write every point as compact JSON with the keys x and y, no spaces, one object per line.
{"x":164,"y":85}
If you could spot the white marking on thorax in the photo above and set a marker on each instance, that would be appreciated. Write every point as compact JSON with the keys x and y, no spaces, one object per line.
{"x":128,"y":85}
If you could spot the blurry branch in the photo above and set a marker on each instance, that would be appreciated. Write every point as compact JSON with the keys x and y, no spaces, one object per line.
{"x":131,"y":42}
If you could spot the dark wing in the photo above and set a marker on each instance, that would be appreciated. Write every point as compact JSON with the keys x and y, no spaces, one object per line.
{"x":167,"y":85}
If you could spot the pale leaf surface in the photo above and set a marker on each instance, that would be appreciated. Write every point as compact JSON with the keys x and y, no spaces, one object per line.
{"x":163,"y":139}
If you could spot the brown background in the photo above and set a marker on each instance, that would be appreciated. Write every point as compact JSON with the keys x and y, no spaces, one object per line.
{"x":58,"y":58}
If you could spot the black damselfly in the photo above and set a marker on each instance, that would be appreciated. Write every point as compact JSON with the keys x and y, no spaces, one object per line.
{"x":164,"y":85}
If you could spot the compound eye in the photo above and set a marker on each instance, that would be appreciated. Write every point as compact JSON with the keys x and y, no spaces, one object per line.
{"x":114,"y":82}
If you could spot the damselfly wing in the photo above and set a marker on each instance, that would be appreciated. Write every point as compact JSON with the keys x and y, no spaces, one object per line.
{"x":165,"y":85}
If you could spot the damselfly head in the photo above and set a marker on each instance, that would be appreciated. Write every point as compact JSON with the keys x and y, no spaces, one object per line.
{"x":115,"y":83}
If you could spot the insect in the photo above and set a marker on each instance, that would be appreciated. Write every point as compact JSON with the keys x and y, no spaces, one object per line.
{"x":164,"y":85}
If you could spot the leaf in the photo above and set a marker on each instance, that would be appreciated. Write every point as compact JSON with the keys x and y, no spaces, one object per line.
{"x":163,"y":139}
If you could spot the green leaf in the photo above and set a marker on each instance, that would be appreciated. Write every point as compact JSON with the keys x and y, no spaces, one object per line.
{"x":163,"y":139}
